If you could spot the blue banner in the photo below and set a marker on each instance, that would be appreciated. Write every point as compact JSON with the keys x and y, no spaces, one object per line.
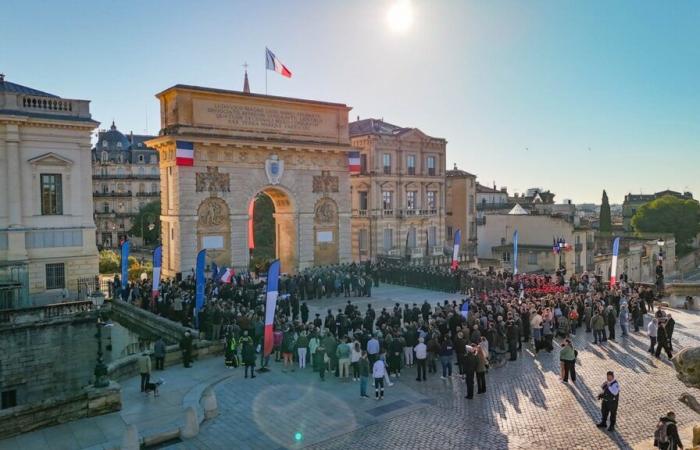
{"x":515,"y":252}
{"x":125,"y":263}
{"x":200,"y":282}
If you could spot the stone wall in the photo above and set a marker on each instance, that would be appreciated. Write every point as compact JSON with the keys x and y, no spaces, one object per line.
{"x":49,"y":357}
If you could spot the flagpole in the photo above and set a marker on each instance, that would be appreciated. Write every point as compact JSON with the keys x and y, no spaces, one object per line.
{"x":265,"y":68}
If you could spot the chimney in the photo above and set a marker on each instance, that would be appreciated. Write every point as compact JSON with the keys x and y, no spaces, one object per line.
{"x":358,"y":117}
{"x":2,"y":77}
{"x":131,"y":137}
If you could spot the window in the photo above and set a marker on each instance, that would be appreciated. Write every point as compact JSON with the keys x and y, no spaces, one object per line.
{"x":120,"y":170}
{"x":154,"y":159}
{"x":387,"y":200}
{"x":9,"y":399}
{"x":154,"y":187}
{"x":432,"y":236}
{"x":506,"y":256}
{"x":432,"y":204}
{"x":142,"y":171}
{"x":363,"y":200}
{"x":119,"y":145}
{"x":411,"y":164}
{"x":363,"y":164}
{"x":51,"y":194}
{"x":55,"y":276}
{"x":412,"y":237}
{"x":104,"y":144}
{"x":103,"y":171}
{"x":105,"y":157}
{"x":470,"y":204}
{"x":141,"y":159}
{"x":105,"y":188}
{"x":363,"y":238}
{"x":431,"y":165}
{"x":411,"y":200}
{"x":532,"y":259}
{"x":142,"y":188}
{"x":105,"y":207}
{"x":388,"y":243}
{"x":449,"y":232}
{"x":386,"y":158}
{"x":154,"y":171}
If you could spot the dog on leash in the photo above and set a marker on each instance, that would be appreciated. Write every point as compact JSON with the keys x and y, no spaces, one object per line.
{"x":153,"y":387}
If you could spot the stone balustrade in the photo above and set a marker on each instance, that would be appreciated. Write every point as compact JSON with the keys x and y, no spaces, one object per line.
{"x":38,"y":313}
{"x":47,"y":103}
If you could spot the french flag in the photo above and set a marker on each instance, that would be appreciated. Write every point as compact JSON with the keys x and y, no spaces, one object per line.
{"x":613,"y":268}
{"x":354,"y":162}
{"x":273,"y":276}
{"x":184,"y":153}
{"x":455,"y":249}
{"x":273,"y":63}
{"x":227,"y":276}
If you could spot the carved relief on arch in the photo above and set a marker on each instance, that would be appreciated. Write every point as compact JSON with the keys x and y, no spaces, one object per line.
{"x":326,"y":212}
{"x":214,"y":230}
{"x":213,"y":213}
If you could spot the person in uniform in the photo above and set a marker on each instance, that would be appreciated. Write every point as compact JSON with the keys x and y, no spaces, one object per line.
{"x":610,"y":397}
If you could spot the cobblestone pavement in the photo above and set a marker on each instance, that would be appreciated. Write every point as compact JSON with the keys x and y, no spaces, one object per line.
{"x":525,"y":406}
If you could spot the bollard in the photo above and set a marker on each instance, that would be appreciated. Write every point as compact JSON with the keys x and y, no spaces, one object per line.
{"x":191,"y":427}
{"x":210,"y":405}
{"x":130,"y":441}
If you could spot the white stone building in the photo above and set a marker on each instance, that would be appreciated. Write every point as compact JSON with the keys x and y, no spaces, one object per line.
{"x":47,"y":232}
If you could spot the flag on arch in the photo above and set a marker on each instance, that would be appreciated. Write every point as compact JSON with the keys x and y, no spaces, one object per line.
{"x":354,"y":162}
{"x":184,"y":153}
{"x":273,"y":63}
{"x":273,"y":276}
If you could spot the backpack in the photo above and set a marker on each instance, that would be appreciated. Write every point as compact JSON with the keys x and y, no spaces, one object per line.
{"x":661,"y":434}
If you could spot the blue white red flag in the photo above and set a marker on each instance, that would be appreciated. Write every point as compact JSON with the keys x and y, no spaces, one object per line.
{"x":613,"y":267}
{"x":455,"y":249}
{"x":227,"y":275}
{"x":125,"y":263}
{"x":273,"y":63}
{"x":273,"y":276}
{"x":354,"y":162}
{"x":157,"y":264}
{"x":184,"y":153}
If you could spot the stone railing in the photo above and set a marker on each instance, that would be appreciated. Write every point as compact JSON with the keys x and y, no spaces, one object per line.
{"x":146,"y":324}
{"x":676,"y":293}
{"x":36,"y":313}
{"x":47,"y":104}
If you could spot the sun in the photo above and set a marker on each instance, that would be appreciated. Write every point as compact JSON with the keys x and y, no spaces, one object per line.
{"x":400,"y":16}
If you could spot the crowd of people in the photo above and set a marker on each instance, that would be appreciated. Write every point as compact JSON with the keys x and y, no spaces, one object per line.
{"x":500,"y":312}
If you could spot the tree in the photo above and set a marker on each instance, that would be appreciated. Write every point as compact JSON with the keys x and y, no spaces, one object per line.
{"x":263,"y":230}
{"x":670,"y":214}
{"x":148,"y":215}
{"x":109,"y":262}
{"x":605,"y":218}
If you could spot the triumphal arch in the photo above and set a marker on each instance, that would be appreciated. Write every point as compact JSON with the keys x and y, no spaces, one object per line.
{"x":220,"y":149}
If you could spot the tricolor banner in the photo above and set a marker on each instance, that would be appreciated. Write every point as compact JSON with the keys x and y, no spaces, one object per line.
{"x":613,"y":267}
{"x":157,"y":264}
{"x":464,"y":309}
{"x":273,"y":276}
{"x":227,"y":275}
{"x":200,"y":282}
{"x":455,"y":249}
{"x":354,"y":162}
{"x":125,"y":263}
{"x":515,"y":252}
{"x":184,"y":153}
{"x":273,"y":63}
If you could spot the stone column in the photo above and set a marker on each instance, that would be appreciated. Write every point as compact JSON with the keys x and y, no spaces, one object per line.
{"x":287,"y":242}
{"x":14,"y":180}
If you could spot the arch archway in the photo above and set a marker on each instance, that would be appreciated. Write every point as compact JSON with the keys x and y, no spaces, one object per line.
{"x":285,"y":226}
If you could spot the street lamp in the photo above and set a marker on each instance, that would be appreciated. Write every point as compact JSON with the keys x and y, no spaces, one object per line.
{"x":660,"y":242}
{"x":660,"y":265}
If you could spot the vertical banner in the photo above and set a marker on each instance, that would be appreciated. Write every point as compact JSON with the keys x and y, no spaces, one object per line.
{"x":464,"y":309}
{"x":157,"y":264}
{"x":251,"y":233}
{"x":613,"y":267}
{"x":515,"y":252}
{"x":273,"y":276}
{"x":125,"y":263}
{"x":427,"y":244}
{"x":200,"y":281}
{"x":455,"y":249}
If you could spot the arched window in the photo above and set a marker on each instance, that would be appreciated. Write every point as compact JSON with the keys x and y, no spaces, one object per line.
{"x":154,"y":187}
{"x":119,"y":145}
{"x":141,"y":159}
{"x":105,"y":207}
{"x":105,"y":189}
{"x":142,"y":171}
{"x":142,"y":188}
{"x":105,"y":157}
{"x":104,"y":144}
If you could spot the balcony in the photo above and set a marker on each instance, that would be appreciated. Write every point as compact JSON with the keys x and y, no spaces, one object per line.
{"x":416,"y":252}
{"x":148,"y":194}
{"x":387,"y":170}
{"x":122,"y":176}
{"x":105,"y":213}
{"x":409,"y":212}
{"x":111,"y":194}
{"x":359,"y":213}
{"x":436,"y":251}
{"x":388,"y":212}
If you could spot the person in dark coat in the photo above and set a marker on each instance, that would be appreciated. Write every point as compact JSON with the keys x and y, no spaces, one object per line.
{"x":666,"y":435}
{"x":248,"y":354}
{"x":471,"y":360}
{"x":186,"y":348}
{"x":670,"y":326}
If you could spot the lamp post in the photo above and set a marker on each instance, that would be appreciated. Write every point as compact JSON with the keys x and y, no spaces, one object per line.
{"x":562,"y":247}
{"x":660,"y":265}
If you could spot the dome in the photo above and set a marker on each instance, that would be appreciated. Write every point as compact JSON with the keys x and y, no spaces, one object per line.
{"x":113,"y":139}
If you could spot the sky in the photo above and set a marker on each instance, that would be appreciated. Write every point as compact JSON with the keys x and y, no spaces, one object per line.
{"x":571,"y":96}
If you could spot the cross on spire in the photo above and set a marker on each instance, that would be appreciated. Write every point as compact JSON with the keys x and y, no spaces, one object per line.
{"x":246,"y":85}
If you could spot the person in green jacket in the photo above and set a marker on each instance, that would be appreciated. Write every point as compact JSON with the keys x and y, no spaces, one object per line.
{"x":567,"y":359}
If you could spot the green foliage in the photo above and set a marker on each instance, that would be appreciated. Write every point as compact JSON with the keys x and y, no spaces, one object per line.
{"x":605,"y":218}
{"x":670,"y":214}
{"x":149,"y":214}
{"x":263,"y":230}
{"x":109,"y":262}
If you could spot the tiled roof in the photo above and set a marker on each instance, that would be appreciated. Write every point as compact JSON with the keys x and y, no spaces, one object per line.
{"x":459,"y":173}
{"x":373,"y":126}
{"x":7,"y":86}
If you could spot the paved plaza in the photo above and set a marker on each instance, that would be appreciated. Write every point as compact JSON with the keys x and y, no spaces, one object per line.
{"x":525,"y":406}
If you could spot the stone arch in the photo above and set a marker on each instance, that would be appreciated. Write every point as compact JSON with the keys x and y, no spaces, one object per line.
{"x":214,"y":230}
{"x":326,"y":232}
{"x":286,"y":224}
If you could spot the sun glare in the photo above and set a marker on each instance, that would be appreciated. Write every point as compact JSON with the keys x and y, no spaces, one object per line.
{"x":400,"y":16}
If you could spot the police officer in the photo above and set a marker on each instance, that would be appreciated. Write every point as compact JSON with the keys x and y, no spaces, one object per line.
{"x":610,"y":397}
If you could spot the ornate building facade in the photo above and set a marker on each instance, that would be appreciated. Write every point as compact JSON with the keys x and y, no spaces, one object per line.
{"x":398,"y":198}
{"x":125,"y":178}
{"x":46,"y":224}
{"x":220,"y":149}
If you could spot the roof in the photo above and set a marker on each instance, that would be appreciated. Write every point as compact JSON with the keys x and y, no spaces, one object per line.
{"x":379,"y":127}
{"x":7,"y":86}
{"x":518,"y":211}
{"x":247,"y":94}
{"x":481,"y":189}
{"x":115,"y":142}
{"x":459,"y":173}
